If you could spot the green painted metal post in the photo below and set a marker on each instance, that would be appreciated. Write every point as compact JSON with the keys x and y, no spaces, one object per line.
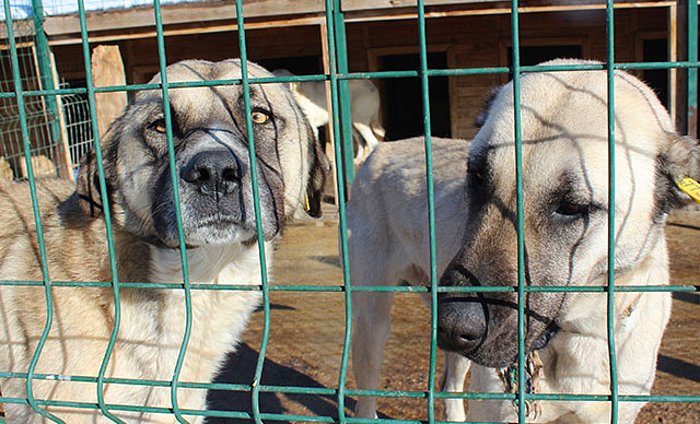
{"x":43,"y":57}
{"x":332,"y":7}
{"x":517,"y":136}
{"x":610,"y":68}
{"x":344,"y":92}
{"x":430,"y":193}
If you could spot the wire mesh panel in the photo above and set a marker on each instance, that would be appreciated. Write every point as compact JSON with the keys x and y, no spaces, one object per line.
{"x":39,"y":118}
{"x":27,"y":130}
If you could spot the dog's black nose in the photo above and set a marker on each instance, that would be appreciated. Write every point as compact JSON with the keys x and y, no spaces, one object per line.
{"x":214,"y":173}
{"x":461,"y":323}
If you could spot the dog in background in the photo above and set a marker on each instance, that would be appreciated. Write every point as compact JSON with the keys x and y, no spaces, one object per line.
{"x":213,"y":168}
{"x":565,"y":191}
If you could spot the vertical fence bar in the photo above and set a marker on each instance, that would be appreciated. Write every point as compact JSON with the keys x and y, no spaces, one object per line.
{"x":162,"y":63}
{"x":45,"y":74}
{"x":692,"y":113}
{"x":331,"y":8}
{"x":425,"y":94}
{"x":517,"y":128}
{"x":344,"y":93}
{"x":105,"y":210}
{"x":610,"y":69}
{"x":258,"y":216}
{"x":19,"y":95}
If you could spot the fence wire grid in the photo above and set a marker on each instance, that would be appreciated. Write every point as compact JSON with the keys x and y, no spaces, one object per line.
{"x":18,"y":93}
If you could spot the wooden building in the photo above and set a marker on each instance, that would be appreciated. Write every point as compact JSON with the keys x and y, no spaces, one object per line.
{"x":383,"y":35}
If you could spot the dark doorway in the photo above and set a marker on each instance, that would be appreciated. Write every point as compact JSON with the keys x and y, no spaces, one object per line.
{"x":532,"y":55}
{"x":402,"y":105}
{"x":656,"y":51}
{"x":301,"y":65}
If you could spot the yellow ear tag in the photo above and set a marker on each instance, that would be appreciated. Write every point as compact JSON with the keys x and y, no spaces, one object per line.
{"x":307,"y":206}
{"x":690,"y":187}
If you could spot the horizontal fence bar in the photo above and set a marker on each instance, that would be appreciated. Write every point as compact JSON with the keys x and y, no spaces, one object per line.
{"x":325,"y":391}
{"x":358,"y":76}
{"x":334,"y":288}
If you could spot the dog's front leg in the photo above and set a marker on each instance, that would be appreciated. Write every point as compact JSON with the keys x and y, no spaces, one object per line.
{"x":453,"y":376}
{"x":372,"y":317}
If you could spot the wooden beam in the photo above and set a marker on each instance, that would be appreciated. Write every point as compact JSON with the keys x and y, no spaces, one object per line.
{"x":197,"y":28}
{"x":108,"y":70}
{"x":185,"y":13}
{"x":672,"y":39}
{"x":216,"y":17}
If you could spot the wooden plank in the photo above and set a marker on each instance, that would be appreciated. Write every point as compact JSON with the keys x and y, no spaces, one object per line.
{"x":108,"y":70}
{"x":216,"y":16}
{"x":682,"y":74}
{"x":672,"y":56}
{"x":185,"y":13}
{"x":353,"y":5}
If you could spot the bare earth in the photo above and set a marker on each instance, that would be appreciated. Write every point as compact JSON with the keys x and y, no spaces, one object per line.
{"x":307,"y":329}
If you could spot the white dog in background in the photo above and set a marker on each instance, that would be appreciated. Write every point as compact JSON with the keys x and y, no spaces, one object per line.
{"x":364,"y":105}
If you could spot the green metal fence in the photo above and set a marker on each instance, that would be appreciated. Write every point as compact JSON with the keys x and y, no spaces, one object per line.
{"x":22,"y":96}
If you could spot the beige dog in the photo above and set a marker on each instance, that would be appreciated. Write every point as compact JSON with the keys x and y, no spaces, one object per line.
{"x":564,"y":116}
{"x":219,"y":225}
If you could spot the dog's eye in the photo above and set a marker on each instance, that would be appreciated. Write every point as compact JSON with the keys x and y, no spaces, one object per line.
{"x":259,"y":117}
{"x":572,"y":209}
{"x":158,"y":126}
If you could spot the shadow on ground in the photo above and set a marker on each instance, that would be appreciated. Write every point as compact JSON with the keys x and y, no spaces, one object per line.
{"x":240,"y":369}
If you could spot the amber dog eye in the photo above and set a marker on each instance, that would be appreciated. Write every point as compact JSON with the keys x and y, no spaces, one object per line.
{"x":259,"y":117}
{"x":158,"y":126}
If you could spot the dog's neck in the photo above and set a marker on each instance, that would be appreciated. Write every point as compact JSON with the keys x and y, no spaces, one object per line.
{"x":575,"y":316}
{"x":576,"y":359}
{"x":206,"y":264}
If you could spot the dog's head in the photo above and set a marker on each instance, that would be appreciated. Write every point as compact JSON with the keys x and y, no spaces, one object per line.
{"x":565,"y":192}
{"x":212,"y":162}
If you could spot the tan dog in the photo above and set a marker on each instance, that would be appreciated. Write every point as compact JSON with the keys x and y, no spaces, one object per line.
{"x":219,"y":225}
{"x":564,"y":116}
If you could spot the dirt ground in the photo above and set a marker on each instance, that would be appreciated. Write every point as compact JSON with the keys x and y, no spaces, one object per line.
{"x":305,"y":344}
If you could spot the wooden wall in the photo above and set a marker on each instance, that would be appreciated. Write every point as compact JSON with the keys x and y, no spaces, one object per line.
{"x":469,"y":41}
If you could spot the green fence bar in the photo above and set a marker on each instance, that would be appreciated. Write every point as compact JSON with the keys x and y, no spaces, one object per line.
{"x":333,"y":7}
{"x":610,"y":28}
{"x":167,"y":115}
{"x":16,"y":74}
{"x":517,"y":128}
{"x":44,"y":65}
{"x":345,"y":121}
{"x":255,"y":389}
{"x":430,"y":193}
{"x":106,"y":212}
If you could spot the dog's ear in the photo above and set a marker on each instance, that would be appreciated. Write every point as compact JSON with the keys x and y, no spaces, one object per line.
{"x":318,"y":172}
{"x":680,"y":159}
